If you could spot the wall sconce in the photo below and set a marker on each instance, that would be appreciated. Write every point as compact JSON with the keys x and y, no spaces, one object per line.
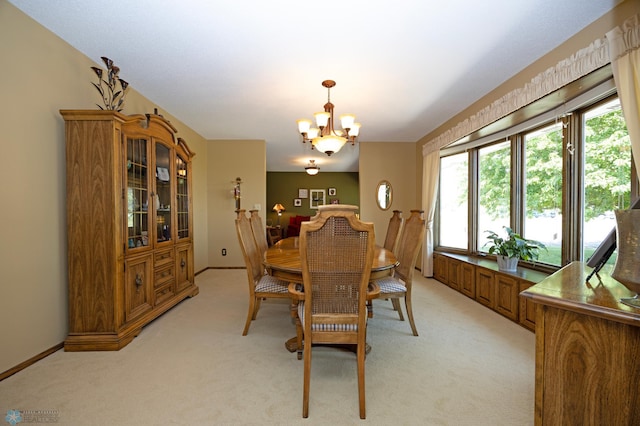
{"x":278,"y":208}
{"x":236,"y":192}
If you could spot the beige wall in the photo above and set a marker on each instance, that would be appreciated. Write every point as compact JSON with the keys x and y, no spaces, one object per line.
{"x":42,"y":74}
{"x":394,"y":162}
{"x":228,"y":160}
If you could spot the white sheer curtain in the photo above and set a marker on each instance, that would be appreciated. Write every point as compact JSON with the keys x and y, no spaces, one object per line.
{"x":624,"y":50}
{"x":430,"y":176}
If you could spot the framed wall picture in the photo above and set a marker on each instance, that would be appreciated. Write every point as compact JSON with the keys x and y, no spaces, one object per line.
{"x":317,"y":198}
{"x":332,"y":192}
{"x":297,"y":202}
{"x":303,"y":193}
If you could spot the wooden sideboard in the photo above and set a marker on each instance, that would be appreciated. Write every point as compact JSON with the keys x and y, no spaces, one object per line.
{"x":481,"y":280}
{"x":587,"y":350}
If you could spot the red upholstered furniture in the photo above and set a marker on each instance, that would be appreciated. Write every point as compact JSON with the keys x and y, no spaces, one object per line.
{"x":293,"y":230}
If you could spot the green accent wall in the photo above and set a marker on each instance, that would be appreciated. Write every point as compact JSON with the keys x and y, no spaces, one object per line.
{"x":282,"y":187}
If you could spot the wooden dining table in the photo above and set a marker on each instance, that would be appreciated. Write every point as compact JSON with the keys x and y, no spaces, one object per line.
{"x":283,"y":261}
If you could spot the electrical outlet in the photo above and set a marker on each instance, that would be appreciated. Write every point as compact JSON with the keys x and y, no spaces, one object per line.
{"x":224,"y":252}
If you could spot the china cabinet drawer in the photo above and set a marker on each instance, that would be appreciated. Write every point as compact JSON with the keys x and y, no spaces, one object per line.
{"x":163,"y":293}
{"x":163,"y":276}
{"x":163,"y":257}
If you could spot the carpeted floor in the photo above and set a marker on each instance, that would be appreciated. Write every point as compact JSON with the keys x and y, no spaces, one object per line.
{"x":469,"y":366}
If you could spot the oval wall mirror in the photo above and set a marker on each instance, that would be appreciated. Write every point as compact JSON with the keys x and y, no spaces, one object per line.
{"x":384,"y":195}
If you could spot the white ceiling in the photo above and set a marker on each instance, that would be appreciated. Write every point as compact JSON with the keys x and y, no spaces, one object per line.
{"x":247,"y":69}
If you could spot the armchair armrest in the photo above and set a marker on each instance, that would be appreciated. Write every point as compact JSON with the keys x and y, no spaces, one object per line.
{"x":373,"y":290}
{"x":295,"y":290}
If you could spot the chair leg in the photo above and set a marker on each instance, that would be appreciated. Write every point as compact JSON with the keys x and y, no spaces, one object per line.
{"x":307,"y":378}
{"x":250,"y":315}
{"x":296,"y":321}
{"x":396,"y":306}
{"x":299,"y":337}
{"x":361,"y":355}
{"x":407,"y":303}
{"x":257,"y":307}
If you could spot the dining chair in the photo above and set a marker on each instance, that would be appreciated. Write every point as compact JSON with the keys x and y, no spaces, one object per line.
{"x":394,"y":230}
{"x":336,"y":253}
{"x":261,"y":285}
{"x":274,"y":234}
{"x":259,"y":232}
{"x":399,"y":284}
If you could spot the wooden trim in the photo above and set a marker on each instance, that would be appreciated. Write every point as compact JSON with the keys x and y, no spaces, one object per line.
{"x":30,"y":361}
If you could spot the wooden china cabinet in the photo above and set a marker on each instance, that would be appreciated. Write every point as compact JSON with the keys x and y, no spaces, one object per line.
{"x":129,"y":225}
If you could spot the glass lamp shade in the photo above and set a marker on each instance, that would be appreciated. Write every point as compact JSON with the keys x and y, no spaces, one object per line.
{"x":312,"y":169}
{"x":626,"y":269}
{"x":278,"y":208}
{"x":304,"y":125}
{"x":329,"y":144}
{"x":347,"y":120}
{"x":355,"y":130}
{"x":313,"y":133}
{"x":322,"y":118}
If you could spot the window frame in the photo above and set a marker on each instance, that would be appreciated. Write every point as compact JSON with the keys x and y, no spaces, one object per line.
{"x":572,"y":173}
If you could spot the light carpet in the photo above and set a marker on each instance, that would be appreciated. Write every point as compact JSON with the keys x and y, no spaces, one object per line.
{"x":192,"y":366}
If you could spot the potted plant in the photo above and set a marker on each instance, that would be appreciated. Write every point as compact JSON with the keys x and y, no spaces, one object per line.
{"x":508,"y":251}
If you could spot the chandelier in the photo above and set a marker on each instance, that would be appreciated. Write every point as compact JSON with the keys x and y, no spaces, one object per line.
{"x":325,"y":138}
{"x":312,"y":169}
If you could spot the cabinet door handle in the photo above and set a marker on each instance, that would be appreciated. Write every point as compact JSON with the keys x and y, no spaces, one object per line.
{"x":183,"y":263}
{"x":138,"y":281}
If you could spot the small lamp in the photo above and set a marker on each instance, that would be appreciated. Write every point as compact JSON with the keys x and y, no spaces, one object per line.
{"x":278,"y":208}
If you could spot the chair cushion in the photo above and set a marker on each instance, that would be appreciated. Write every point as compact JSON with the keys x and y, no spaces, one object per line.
{"x":325,"y":327}
{"x":391,"y":285}
{"x":269,"y":284}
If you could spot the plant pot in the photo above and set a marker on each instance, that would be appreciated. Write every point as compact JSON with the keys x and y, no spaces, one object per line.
{"x":507,"y":264}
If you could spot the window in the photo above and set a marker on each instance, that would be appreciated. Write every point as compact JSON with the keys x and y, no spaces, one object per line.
{"x":524,"y":176}
{"x":494,"y":190}
{"x":453,"y":205}
{"x":607,"y":173}
{"x":543,"y":190}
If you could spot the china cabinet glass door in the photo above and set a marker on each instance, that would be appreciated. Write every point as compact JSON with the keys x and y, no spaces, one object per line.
{"x":163,"y":193}
{"x":137,"y":188}
{"x":182,"y":197}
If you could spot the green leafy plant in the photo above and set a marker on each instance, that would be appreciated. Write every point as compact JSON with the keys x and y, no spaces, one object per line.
{"x":514,"y":245}
{"x":112,"y":96}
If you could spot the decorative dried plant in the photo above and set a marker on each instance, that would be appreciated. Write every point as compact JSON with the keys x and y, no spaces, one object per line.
{"x":112,"y":97}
